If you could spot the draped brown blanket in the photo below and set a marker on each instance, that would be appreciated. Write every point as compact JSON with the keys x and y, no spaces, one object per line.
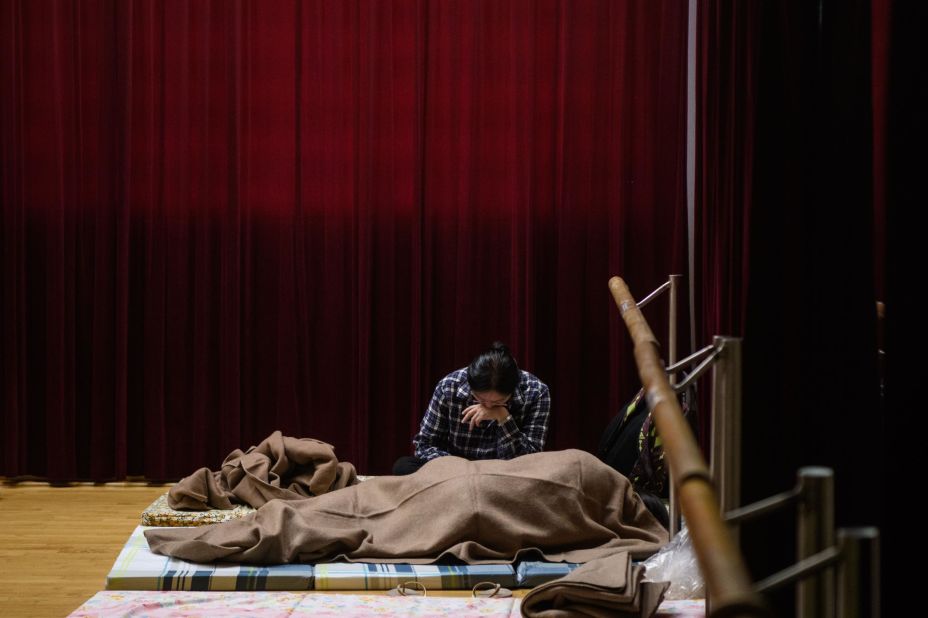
{"x":604,"y":588}
{"x":280,"y":467}
{"x":568,"y":505}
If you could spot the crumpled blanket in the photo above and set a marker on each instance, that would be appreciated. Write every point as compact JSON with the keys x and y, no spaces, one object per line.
{"x":280,"y":467}
{"x":603,"y":588}
{"x":565,"y":505}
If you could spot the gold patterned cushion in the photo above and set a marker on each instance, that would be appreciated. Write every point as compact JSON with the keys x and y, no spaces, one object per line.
{"x":160,"y":514}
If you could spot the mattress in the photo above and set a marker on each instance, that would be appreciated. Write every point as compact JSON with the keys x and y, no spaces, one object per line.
{"x":279,"y":604}
{"x":137,"y":568}
{"x":535,"y":573}
{"x":378,"y":576}
{"x":112,"y":604}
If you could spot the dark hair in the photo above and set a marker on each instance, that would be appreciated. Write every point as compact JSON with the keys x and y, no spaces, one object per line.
{"x":494,"y":370}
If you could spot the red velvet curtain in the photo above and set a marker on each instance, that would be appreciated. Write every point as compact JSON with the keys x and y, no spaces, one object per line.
{"x":224,"y":218}
{"x":726,"y":90}
{"x":725,"y":100}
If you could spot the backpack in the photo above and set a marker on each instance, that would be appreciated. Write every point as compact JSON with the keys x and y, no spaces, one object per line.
{"x":632,"y":446}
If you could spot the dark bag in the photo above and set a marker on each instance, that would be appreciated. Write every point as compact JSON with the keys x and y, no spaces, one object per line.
{"x":618,"y":448}
{"x":632,"y":445}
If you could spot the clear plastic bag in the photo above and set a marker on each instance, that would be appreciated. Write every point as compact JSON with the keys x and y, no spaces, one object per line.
{"x":676,"y":563}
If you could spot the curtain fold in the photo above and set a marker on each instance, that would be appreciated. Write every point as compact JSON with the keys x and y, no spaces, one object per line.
{"x":726,"y":91}
{"x":225,"y":218}
{"x":786,"y":199}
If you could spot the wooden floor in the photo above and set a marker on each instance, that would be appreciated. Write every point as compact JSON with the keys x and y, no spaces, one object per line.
{"x":58,"y":543}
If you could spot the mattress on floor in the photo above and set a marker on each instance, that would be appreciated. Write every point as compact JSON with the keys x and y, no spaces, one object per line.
{"x":113,"y":604}
{"x":137,"y":568}
{"x":379,"y":576}
{"x":530,"y":573}
{"x":280,"y":604}
{"x":160,"y":514}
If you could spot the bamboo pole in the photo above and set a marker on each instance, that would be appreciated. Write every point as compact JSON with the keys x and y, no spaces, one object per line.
{"x":719,"y":559}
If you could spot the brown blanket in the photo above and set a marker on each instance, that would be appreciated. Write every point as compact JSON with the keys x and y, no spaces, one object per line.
{"x":566,"y":504}
{"x":604,"y":588}
{"x":279,"y":468}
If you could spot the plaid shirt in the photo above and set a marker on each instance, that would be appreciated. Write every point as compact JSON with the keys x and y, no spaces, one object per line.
{"x":444,"y":433}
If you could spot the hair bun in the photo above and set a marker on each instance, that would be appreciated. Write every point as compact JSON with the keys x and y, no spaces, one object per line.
{"x":494,"y":370}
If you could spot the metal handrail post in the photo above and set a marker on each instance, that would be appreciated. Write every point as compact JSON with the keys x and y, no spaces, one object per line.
{"x":672,"y":359}
{"x":815,"y":532}
{"x":725,"y":458}
{"x":858,"y":579}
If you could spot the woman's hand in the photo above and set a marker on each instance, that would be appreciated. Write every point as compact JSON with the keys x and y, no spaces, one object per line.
{"x":477,"y":413}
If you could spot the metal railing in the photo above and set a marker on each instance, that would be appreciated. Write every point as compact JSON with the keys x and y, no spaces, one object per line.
{"x":721,"y":563}
{"x":673,"y":286}
{"x":837,"y":574}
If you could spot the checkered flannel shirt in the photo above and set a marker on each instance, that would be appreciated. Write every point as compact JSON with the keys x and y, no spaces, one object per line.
{"x":444,"y":433}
